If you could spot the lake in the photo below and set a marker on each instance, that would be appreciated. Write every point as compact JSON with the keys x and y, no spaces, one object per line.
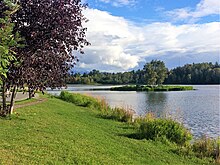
{"x":198,"y":110}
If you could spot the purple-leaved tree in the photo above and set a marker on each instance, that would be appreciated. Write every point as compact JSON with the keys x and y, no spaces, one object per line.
{"x":53,"y":34}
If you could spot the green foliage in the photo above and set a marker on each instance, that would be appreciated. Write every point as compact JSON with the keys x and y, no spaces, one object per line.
{"x":80,"y":100}
{"x":201,"y":73}
{"x":8,"y":40}
{"x":155,"y":72}
{"x":119,"y":114}
{"x":126,"y":88}
{"x":207,"y":147}
{"x":157,"y":128}
{"x":151,"y":88}
{"x":203,"y":148}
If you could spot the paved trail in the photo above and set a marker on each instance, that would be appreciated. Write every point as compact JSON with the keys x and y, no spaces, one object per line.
{"x":22,"y":96}
{"x":31,"y":103}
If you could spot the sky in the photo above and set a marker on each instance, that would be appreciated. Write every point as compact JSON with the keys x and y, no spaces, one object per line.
{"x":126,"y":34}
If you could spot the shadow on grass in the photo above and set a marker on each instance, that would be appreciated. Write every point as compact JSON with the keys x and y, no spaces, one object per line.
{"x":5,"y":118}
{"x":100,"y":116}
{"x":18,"y":118}
{"x":133,"y":136}
{"x":127,"y":127}
{"x":9,"y":117}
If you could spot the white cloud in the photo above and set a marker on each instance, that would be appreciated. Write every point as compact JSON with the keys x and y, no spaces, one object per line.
{"x":203,"y":8}
{"x":119,"y":45}
{"x":120,"y":3}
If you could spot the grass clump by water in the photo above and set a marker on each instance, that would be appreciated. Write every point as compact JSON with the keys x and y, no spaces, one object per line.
{"x":169,"y":129}
{"x":80,"y":100}
{"x":207,"y":147}
{"x":119,"y":114}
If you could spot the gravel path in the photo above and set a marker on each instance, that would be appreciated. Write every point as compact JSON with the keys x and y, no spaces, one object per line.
{"x":31,"y":103}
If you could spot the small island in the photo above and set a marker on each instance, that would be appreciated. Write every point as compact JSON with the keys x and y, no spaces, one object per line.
{"x":151,"y":88}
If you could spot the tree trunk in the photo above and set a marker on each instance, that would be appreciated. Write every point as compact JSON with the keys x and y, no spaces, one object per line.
{"x":4,"y":95}
{"x":4,"y":107}
{"x":13,"y":99}
{"x":29,"y":92}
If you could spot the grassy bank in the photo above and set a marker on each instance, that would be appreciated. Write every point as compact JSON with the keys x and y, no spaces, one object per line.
{"x":58,"y":132}
{"x":151,"y":88}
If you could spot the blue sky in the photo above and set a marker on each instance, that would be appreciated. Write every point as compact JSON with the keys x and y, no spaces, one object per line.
{"x":125,"y":34}
{"x":141,"y":10}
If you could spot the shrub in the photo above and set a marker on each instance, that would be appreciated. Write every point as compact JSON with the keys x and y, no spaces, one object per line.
{"x":152,"y":128}
{"x":207,"y":147}
{"x":121,"y":114}
{"x":139,"y":120}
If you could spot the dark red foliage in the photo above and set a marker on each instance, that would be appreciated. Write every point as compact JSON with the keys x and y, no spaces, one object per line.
{"x":53,"y":34}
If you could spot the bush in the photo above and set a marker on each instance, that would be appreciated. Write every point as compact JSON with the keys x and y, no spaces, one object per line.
{"x":121,"y":114}
{"x":151,"y":128}
{"x":207,"y":147}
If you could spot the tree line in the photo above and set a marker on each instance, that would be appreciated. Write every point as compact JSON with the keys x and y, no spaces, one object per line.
{"x":38,"y":44}
{"x":153,"y":73}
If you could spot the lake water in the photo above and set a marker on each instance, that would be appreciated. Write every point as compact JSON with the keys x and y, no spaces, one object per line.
{"x":198,"y":110}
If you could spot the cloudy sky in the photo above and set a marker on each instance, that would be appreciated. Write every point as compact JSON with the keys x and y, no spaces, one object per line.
{"x":125,"y":34}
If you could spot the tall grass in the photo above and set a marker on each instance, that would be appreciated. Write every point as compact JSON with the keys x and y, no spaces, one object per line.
{"x":119,"y":114}
{"x":153,"y":128}
{"x":207,"y":147}
{"x":80,"y":100}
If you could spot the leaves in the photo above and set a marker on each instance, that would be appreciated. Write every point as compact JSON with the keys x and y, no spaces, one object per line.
{"x":52,"y":31}
{"x":8,"y":41}
{"x":155,"y":72}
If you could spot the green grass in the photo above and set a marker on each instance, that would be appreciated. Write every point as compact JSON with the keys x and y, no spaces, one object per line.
{"x":25,"y":101}
{"x":57,"y":132}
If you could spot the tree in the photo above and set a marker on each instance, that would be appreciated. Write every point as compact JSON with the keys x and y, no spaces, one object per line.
{"x":155,"y":72}
{"x":53,"y":33}
{"x":201,"y":73}
{"x":9,"y":41}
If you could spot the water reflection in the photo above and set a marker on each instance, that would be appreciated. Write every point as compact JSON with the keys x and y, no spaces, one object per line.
{"x":156,"y":103}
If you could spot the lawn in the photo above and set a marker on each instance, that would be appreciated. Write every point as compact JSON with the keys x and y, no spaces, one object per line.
{"x":57,"y":132}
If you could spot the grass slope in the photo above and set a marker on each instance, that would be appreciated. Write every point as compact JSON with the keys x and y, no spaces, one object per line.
{"x":57,"y":132}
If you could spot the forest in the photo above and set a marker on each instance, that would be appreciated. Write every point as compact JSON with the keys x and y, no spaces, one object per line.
{"x":199,"y":73}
